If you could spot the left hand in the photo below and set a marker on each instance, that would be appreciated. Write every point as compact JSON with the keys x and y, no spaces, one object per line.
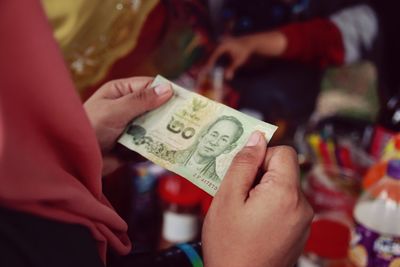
{"x":117,"y":102}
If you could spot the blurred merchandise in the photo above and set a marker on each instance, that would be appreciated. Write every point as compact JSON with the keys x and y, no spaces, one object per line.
{"x":211,"y":84}
{"x":181,"y":210}
{"x":145,"y":215}
{"x":350,"y":91}
{"x":376,"y":237}
{"x":339,"y":142}
{"x":388,"y":124}
{"x":378,"y":170}
{"x":331,"y":189}
{"x":328,"y":242}
{"x":181,"y":255}
{"x":392,"y":148}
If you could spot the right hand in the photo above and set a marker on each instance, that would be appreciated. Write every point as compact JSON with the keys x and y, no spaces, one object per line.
{"x":239,"y":51}
{"x":262,"y":226}
{"x":267,"y":44}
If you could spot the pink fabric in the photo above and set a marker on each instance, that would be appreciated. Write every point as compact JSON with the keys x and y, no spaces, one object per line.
{"x":50,"y":162}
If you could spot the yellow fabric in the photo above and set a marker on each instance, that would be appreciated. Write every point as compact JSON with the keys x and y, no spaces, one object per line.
{"x":93,"y":34}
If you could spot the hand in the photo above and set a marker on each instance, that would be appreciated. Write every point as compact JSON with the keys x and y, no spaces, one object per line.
{"x":268,"y":44}
{"x":239,"y":51}
{"x":117,"y":102}
{"x":262,"y":226}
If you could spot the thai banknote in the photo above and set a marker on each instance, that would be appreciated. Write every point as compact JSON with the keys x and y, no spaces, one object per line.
{"x":192,"y":136}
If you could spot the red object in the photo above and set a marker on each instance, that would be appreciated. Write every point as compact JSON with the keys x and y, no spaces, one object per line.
{"x":177,"y":190}
{"x":325,"y":198}
{"x":205,"y":203}
{"x":381,"y":137}
{"x":345,"y":158}
{"x":397,"y":141}
{"x":317,"y":41}
{"x":323,"y":148}
{"x":328,"y":239}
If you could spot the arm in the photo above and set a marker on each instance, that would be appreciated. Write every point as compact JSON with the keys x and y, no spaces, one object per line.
{"x":336,"y":40}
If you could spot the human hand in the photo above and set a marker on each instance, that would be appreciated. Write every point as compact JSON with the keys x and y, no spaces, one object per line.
{"x":262,"y":226}
{"x":268,"y":44}
{"x":117,"y":102}
{"x":239,"y":51}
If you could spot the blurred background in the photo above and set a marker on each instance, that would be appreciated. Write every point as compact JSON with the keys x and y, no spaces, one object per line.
{"x":324,"y":71}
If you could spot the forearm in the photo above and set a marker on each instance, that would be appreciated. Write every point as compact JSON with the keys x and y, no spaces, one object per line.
{"x":268,"y":44}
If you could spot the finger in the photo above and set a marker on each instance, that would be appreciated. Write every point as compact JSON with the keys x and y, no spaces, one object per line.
{"x":282,"y":162}
{"x":121,"y":87}
{"x":139,"y":101}
{"x":222,"y":49}
{"x":242,"y":172}
{"x":230,"y":70}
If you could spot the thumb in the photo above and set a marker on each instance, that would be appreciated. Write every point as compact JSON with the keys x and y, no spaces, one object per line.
{"x":241,"y":174}
{"x":140,"y":101}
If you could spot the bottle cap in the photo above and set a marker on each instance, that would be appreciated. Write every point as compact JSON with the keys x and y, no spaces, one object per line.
{"x":177,"y":190}
{"x":393,"y":169}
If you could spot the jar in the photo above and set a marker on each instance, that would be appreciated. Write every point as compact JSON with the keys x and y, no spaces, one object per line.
{"x":181,"y":210}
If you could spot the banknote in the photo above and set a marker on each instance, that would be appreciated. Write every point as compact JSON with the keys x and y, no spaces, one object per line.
{"x":192,"y":136}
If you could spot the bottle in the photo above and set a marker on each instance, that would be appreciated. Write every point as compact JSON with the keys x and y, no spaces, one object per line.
{"x":388,"y":125}
{"x":376,"y":237}
{"x":145,"y":215}
{"x":328,"y":242}
{"x":181,"y":210}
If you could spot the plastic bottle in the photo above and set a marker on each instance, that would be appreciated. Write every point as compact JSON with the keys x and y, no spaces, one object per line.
{"x":145,"y":215}
{"x":181,"y":210}
{"x":376,"y":238}
{"x":388,"y":125}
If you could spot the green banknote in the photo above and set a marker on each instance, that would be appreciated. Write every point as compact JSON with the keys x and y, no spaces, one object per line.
{"x":192,"y":136}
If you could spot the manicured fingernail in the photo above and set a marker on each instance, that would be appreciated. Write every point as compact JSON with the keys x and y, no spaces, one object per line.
{"x":254,"y":139}
{"x":162,"y":89}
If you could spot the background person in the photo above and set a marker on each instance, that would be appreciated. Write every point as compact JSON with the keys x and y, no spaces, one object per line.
{"x":279,"y":50}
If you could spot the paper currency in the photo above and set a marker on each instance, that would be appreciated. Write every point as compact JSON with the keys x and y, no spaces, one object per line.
{"x":192,"y":136}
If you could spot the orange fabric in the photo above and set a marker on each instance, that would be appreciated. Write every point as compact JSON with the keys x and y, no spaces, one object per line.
{"x":50,"y":162}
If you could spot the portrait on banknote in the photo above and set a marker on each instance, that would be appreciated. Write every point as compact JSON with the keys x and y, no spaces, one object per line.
{"x":219,"y":138}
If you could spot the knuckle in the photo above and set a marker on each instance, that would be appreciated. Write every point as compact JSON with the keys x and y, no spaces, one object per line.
{"x":288,"y":151}
{"x":291,"y":197}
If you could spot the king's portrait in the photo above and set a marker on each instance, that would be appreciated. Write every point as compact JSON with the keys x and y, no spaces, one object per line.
{"x":220,"y":137}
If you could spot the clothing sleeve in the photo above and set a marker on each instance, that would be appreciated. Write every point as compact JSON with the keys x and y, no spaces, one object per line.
{"x":343,"y":38}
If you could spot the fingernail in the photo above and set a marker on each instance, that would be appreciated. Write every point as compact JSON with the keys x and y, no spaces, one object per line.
{"x":162,"y":89}
{"x":254,"y":139}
